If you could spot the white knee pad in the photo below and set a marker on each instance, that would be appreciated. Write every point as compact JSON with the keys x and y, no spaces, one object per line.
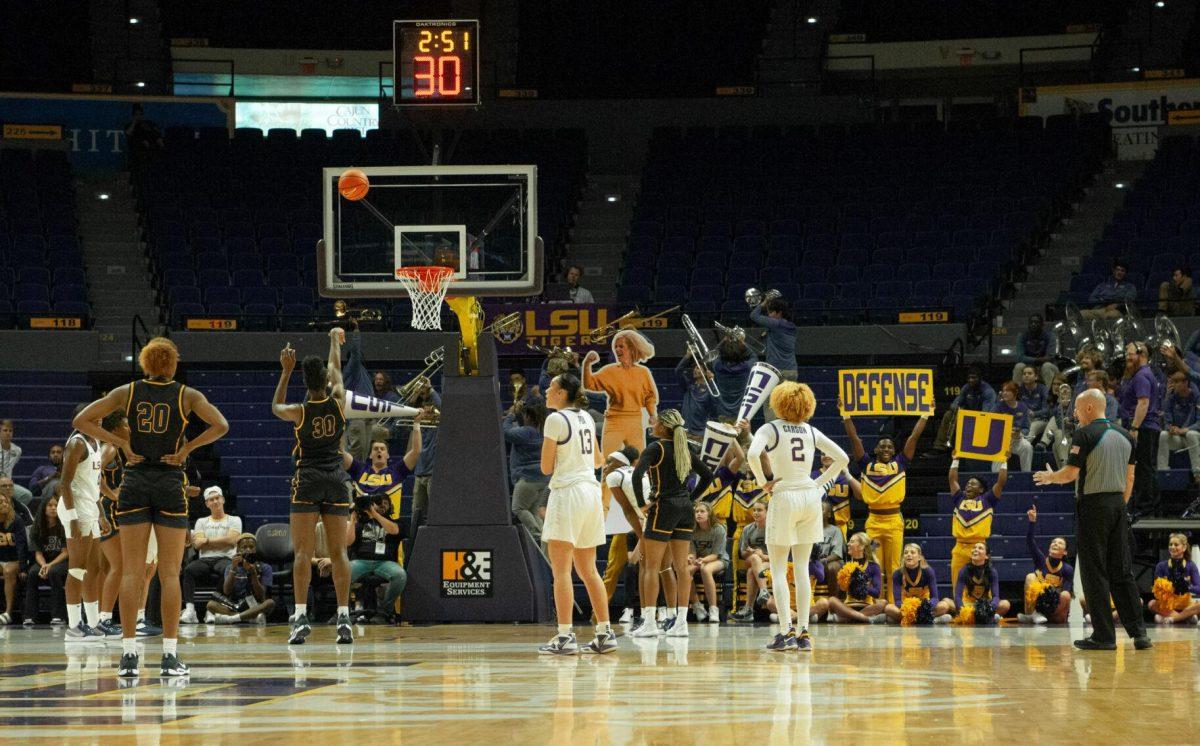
{"x":77,"y":573}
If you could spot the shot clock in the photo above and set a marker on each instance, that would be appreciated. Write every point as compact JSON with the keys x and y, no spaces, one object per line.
{"x":436,"y":63}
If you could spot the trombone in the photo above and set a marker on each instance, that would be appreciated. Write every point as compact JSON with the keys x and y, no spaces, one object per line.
{"x":602,"y":333}
{"x":342,"y":313}
{"x":700,"y":353}
{"x":566,"y":353}
{"x":738,"y":334}
{"x":433,"y":363}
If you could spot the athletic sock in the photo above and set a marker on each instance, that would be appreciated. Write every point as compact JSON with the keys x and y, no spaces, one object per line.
{"x":169,"y":645}
{"x":601,"y":628}
{"x":91,"y":610}
{"x":681,"y":613}
{"x":301,"y":609}
{"x":106,"y":616}
{"x":649,"y":613}
{"x":564,"y":629}
{"x":189,"y":607}
{"x":129,"y":645}
{"x":73,"y":615}
{"x":141,"y":615}
{"x":343,"y":611}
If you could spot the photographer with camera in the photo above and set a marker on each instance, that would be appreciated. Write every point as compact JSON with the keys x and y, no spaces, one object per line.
{"x":374,"y":545}
{"x":244,"y":593}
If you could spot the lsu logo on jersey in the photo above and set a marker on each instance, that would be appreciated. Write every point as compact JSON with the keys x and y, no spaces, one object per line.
{"x":466,"y":572}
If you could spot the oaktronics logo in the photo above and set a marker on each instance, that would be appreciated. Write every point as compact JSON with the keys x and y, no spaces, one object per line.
{"x":467,"y":573}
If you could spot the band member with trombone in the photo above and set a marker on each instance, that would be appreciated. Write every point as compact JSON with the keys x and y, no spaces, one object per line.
{"x":731,"y":371}
{"x":698,"y":401}
{"x":630,"y":389}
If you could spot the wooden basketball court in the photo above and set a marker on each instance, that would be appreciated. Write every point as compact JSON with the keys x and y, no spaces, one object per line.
{"x":480,"y":683}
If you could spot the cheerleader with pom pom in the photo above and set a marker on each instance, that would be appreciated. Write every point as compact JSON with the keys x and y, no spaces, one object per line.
{"x":978,"y":587}
{"x":1049,"y":588}
{"x":914,"y":588}
{"x":861,"y":580}
{"x":1176,"y":584}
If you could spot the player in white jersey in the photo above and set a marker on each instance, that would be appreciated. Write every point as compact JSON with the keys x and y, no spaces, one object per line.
{"x":791,"y":447}
{"x":574,"y":524}
{"x":79,"y":511}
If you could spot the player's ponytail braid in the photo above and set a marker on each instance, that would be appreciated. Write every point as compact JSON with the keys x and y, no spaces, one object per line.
{"x":671,"y":419}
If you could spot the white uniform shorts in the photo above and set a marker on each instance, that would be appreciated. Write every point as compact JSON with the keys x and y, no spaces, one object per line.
{"x":575,"y":515}
{"x":87,"y":515}
{"x":794,"y":517}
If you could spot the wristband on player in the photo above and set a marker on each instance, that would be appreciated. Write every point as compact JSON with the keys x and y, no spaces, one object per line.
{"x":68,"y":514}
{"x":954,"y":464}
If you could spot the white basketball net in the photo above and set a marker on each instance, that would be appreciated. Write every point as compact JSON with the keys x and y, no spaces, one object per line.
{"x":426,"y":288}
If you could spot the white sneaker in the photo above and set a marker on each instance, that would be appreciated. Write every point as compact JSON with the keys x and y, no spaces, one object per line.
{"x":1038,"y":618}
{"x":664,"y":613}
{"x":626,"y":616}
{"x":221,"y":619}
{"x":1025,"y":618}
{"x":211,"y":618}
{"x":714,"y":615}
{"x":679,"y":628}
{"x":773,"y":617}
{"x":813,"y":619}
{"x":1087,"y":618}
{"x":645,"y":629}
{"x":699,"y":611}
{"x":188,"y":617}
{"x":943,"y":619}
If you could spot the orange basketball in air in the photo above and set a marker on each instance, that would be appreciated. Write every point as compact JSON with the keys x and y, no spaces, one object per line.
{"x":353,"y":184}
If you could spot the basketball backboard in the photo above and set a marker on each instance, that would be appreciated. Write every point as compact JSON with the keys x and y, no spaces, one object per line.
{"x":481,"y":221}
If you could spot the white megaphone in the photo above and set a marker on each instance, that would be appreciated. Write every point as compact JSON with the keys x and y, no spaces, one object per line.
{"x":359,"y":407}
{"x":717,"y":438}
{"x":763,"y":379}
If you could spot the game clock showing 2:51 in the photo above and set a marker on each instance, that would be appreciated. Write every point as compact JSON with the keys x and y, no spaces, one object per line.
{"x":436,"y":63}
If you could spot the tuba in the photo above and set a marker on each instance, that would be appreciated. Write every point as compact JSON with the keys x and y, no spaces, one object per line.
{"x":755,"y":297}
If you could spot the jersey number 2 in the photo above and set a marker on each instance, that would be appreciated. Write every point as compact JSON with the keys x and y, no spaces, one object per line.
{"x":798,"y":449}
{"x":152,"y":418}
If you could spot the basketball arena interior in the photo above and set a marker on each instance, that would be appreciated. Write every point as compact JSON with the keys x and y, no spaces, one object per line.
{"x":576,"y":290}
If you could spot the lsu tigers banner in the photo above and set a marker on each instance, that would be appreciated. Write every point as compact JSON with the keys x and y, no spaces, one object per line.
{"x":885,"y":391}
{"x":983,"y":436}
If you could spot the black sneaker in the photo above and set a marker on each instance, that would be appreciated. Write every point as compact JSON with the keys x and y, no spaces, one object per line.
{"x":345,"y":633}
{"x":300,"y":630}
{"x":128,"y":667}
{"x":1142,"y":643}
{"x":745,"y":614}
{"x":804,"y":642}
{"x":781,"y":642}
{"x":108,"y":628}
{"x":172,"y":666}
{"x":665,"y":625}
{"x":1088,"y":643}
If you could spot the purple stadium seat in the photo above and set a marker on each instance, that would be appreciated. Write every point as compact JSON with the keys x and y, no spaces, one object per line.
{"x":247,"y":278}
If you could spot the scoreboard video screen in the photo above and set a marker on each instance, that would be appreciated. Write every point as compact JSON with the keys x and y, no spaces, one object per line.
{"x":436,"y":63}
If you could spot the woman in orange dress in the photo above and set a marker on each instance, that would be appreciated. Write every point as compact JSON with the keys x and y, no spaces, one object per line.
{"x":630,"y":389}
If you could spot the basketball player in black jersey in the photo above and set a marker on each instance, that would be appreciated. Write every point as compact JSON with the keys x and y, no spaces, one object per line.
{"x":321,"y":488}
{"x":153,"y":492}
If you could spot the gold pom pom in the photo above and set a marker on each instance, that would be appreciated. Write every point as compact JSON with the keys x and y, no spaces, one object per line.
{"x":843,"y":578}
{"x":1034,"y":590}
{"x":908,"y":611}
{"x":966,"y":615}
{"x":1164,"y":593}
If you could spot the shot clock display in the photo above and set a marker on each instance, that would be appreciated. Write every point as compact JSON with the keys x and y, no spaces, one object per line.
{"x":436,"y":63}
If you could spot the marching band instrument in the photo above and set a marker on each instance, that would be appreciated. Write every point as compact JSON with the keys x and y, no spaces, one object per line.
{"x":433,"y":363}
{"x":755,"y":297}
{"x":602,"y":333}
{"x":342,"y":312}
{"x":738,"y":334}
{"x":700,"y":353}
{"x":565,"y":353}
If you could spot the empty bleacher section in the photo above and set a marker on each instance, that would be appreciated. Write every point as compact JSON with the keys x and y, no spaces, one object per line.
{"x":40,"y":404}
{"x":232,"y":224}
{"x":850,"y":225}
{"x":41,"y":264}
{"x":46,"y":46}
{"x":603,"y":49}
{"x":913,"y":20}
{"x":1156,"y":230}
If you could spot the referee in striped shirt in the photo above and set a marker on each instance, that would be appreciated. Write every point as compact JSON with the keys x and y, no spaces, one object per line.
{"x":1101,"y":463}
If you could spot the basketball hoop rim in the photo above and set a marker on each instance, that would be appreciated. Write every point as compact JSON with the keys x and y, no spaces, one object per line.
{"x":427,"y":278}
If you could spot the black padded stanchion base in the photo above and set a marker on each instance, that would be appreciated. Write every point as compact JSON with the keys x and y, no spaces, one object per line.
{"x":475,"y":574}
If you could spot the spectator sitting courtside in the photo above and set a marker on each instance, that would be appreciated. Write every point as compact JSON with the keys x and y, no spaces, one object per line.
{"x":215,"y":538}
{"x":1177,"y":297}
{"x":1108,"y":296}
{"x":10,"y":454}
{"x":244,"y":590}
{"x":1033,"y":349}
{"x":1036,"y":396}
{"x":48,"y":562}
{"x":1181,"y":426}
{"x":47,"y":474}
{"x":1011,"y":405}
